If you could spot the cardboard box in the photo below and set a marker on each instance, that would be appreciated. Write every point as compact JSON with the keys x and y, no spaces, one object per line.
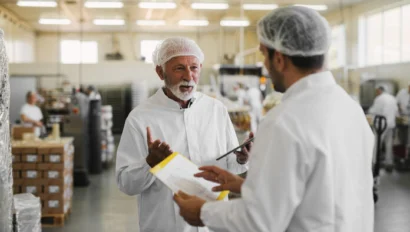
{"x":32,"y":158}
{"x":35,"y":189}
{"x":50,"y":166}
{"x":16,"y":189}
{"x":17,"y":166}
{"x":16,"y":174}
{"x":29,"y":149}
{"x":18,"y":131}
{"x":29,"y":166}
{"x":16,"y":150}
{"x":31,"y":174}
{"x":54,"y":158}
{"x":53,"y":174}
{"x":54,"y":204}
{"x":16,"y":158}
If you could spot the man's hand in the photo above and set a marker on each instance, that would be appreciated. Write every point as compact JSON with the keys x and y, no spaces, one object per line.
{"x":190,"y":208}
{"x":38,"y":123}
{"x":157,"y":150}
{"x":243,"y":155}
{"x":227,"y":180}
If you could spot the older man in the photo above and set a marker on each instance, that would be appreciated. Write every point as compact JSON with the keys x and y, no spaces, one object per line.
{"x":310,"y":168}
{"x":181,"y":120}
{"x":31,"y":114}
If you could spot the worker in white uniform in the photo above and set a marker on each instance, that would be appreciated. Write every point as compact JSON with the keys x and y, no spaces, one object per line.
{"x":254,"y":99}
{"x":310,"y":167}
{"x":240,"y":93}
{"x":403,"y":98}
{"x":386,"y":105}
{"x":31,"y":114}
{"x":176,"y":118}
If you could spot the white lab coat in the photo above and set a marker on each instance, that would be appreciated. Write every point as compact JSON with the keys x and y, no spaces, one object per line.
{"x":385,"y":105}
{"x":403,"y":98}
{"x":310,"y":167}
{"x":254,"y":99}
{"x":32,"y":112}
{"x":201,"y":132}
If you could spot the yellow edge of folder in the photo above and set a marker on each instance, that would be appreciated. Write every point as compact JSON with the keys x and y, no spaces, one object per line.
{"x":164,"y":163}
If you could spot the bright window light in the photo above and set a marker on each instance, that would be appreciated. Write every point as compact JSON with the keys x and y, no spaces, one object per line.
{"x":54,"y":21}
{"x":37,"y":3}
{"x":150,"y":22}
{"x":234,"y":23}
{"x":147,"y":48}
{"x":109,"y":22}
{"x":210,"y":6}
{"x":104,"y":5}
{"x":259,"y":6}
{"x":157,"y":5}
{"x":75,"y":52}
{"x":314,"y":7}
{"x":194,"y":23}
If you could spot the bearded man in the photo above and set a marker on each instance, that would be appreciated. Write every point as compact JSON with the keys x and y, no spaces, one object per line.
{"x":182,"y":120}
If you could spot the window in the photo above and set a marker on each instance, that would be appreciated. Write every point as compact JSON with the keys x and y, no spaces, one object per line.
{"x":384,"y":37}
{"x":147,"y":48}
{"x":75,"y":52}
{"x":337,"y":51}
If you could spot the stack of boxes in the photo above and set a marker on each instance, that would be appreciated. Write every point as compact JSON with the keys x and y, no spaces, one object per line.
{"x":45,"y":169}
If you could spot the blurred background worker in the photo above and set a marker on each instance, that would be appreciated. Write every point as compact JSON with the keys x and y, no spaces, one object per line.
{"x":403,"y":97}
{"x":93,"y":93}
{"x":386,"y":105}
{"x":31,"y":114}
{"x":254,"y":99}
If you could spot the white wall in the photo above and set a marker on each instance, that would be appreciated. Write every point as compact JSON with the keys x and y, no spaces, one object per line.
{"x":350,"y":17}
{"x":20,"y":39}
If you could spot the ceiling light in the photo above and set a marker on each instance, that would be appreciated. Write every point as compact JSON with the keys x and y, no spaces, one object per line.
{"x":54,"y":21}
{"x":314,"y":7}
{"x":150,"y":22}
{"x":109,"y":22}
{"x":259,"y":6}
{"x":37,"y":3}
{"x":104,"y":5}
{"x":157,"y":5}
{"x":193,"y":23}
{"x":234,"y":23}
{"x":210,"y":6}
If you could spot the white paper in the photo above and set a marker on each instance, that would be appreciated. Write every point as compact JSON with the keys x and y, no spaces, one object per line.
{"x":32,"y":158}
{"x":53,"y":189}
{"x":31,"y":174}
{"x":53,"y":174}
{"x":178,"y":174}
{"x":55,"y":158}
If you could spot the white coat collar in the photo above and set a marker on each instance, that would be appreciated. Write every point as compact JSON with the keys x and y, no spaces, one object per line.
{"x":310,"y":81}
{"x":164,"y":100}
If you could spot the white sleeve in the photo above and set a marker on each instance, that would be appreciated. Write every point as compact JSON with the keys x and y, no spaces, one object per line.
{"x":273,"y":189}
{"x":23,"y":110}
{"x":232,"y":142}
{"x":376,"y":108}
{"x":132,"y":171}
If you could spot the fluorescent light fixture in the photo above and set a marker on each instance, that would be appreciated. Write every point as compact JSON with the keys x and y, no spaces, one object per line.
{"x":37,"y":3}
{"x":150,"y":22}
{"x":194,"y":23}
{"x":259,"y":6}
{"x":234,"y":23}
{"x":55,"y":21}
{"x":314,"y":7}
{"x":157,"y":5}
{"x":209,"y":6}
{"x":109,"y":22}
{"x":91,"y":4}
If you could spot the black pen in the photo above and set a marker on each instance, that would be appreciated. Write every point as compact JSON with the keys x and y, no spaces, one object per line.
{"x":240,"y":146}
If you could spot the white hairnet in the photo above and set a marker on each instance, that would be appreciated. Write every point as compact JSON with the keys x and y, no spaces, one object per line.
{"x":176,"y":46}
{"x":295,"y":31}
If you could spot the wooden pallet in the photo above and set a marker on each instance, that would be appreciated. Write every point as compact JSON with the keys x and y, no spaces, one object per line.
{"x":54,"y":220}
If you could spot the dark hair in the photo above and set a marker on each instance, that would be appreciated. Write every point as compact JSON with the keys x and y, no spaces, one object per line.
{"x":302,"y":62}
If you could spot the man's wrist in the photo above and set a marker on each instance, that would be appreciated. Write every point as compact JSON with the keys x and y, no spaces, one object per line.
{"x":241,"y":162}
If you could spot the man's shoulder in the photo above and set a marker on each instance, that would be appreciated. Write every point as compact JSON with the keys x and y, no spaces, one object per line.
{"x":205,"y":99}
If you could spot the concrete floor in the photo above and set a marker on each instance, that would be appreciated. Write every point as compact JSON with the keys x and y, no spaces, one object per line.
{"x":102,"y":207}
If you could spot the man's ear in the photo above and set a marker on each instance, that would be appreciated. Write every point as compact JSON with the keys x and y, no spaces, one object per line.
{"x":280,"y":61}
{"x":160,"y":72}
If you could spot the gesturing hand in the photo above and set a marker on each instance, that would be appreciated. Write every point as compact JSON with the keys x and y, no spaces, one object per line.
{"x":227,"y":180}
{"x":157,"y":150}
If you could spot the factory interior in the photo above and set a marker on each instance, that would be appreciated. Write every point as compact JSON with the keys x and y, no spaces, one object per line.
{"x":76,"y":70}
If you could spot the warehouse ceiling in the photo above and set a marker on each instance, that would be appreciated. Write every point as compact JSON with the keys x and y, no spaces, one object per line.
{"x":76,"y":12}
